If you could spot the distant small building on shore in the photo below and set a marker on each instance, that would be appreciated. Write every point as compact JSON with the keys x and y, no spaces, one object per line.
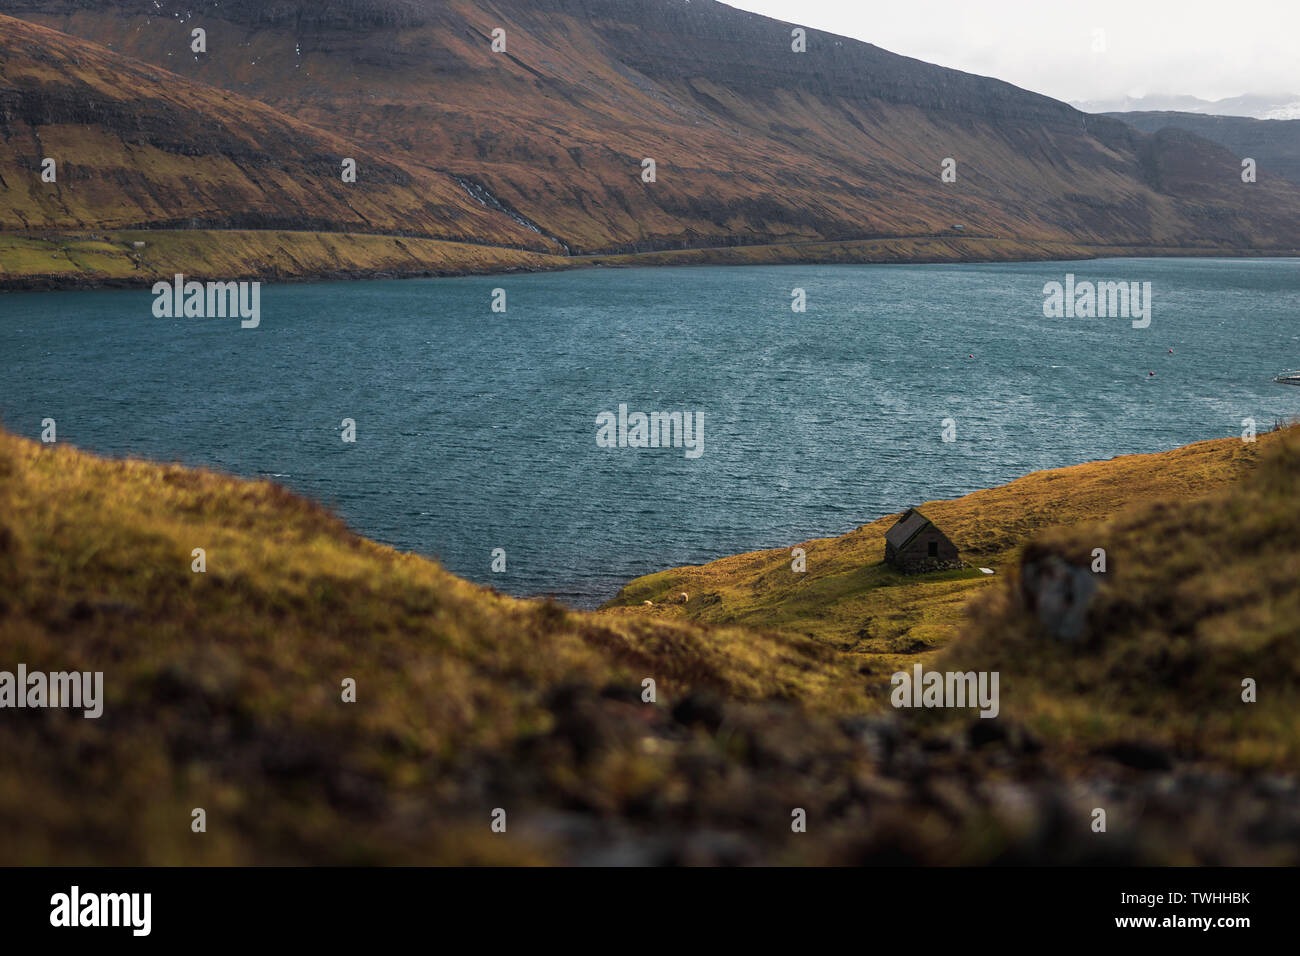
{"x":914,"y":545}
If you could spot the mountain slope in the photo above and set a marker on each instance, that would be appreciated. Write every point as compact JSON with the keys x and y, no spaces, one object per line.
{"x":135,"y":146}
{"x":753,"y":142}
{"x":1273,"y":144}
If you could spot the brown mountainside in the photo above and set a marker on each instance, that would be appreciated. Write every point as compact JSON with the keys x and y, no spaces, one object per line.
{"x":136,"y":146}
{"x":753,"y":142}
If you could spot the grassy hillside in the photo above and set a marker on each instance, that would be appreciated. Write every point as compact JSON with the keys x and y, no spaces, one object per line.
{"x":1198,"y":595}
{"x":939,"y":248}
{"x":63,"y":260}
{"x":223,"y":688}
{"x":112,"y":258}
{"x":849,"y":599}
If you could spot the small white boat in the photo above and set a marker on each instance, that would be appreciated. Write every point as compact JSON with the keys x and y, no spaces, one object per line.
{"x":1288,"y":378}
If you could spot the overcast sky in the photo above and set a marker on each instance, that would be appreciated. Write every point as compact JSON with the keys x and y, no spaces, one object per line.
{"x":1198,"y":47}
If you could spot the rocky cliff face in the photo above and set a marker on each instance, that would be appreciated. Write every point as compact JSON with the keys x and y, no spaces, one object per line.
{"x":752,"y":141}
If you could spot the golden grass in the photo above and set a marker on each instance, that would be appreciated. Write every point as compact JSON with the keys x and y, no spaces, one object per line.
{"x":849,"y":599}
{"x":63,"y":259}
{"x":223,"y":687}
{"x":1199,"y":594}
{"x":247,"y":253}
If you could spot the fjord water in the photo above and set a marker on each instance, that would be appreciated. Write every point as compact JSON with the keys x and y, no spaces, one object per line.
{"x":476,"y":430}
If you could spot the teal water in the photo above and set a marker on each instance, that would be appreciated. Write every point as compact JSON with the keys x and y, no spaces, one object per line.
{"x":477,"y":430}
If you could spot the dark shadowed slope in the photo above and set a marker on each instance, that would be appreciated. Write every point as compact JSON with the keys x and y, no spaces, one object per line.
{"x":1273,"y":144}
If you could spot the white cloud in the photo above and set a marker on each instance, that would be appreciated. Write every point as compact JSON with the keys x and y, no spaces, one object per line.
{"x":1205,"y":48}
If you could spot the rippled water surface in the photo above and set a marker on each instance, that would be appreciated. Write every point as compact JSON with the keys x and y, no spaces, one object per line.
{"x":476,"y":430}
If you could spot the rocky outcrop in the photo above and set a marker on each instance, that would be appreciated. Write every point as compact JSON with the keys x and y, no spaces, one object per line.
{"x":1057,"y":593}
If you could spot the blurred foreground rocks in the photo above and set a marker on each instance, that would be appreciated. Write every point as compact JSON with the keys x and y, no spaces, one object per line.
{"x":698,"y":782}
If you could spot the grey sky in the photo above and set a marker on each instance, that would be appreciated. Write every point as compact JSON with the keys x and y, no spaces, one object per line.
{"x":1206,"y":48}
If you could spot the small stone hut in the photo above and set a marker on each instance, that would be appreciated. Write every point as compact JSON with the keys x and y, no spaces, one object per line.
{"x":914,"y":545}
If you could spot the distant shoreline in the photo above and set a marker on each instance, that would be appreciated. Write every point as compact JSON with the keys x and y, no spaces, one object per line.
{"x":110,"y":260}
